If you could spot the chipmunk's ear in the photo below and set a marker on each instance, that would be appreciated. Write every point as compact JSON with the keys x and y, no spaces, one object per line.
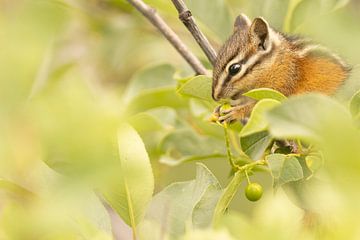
{"x":241,"y":22}
{"x":260,"y":32}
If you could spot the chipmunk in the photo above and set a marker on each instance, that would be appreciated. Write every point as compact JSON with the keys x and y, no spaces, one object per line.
{"x":257,"y":56}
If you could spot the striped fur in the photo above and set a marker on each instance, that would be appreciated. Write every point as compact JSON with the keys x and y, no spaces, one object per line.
{"x":289,"y":64}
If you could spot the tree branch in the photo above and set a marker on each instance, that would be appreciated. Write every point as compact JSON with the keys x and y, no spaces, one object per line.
{"x":170,"y":35}
{"x":188,"y":20}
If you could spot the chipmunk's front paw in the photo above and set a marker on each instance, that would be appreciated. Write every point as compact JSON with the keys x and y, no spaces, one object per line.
{"x":232,"y":114}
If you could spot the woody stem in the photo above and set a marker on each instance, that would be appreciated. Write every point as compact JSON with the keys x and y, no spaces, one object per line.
{"x":151,"y":14}
{"x":186,"y":17}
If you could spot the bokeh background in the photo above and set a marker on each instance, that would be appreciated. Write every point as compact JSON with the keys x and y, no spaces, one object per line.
{"x":72,"y":70}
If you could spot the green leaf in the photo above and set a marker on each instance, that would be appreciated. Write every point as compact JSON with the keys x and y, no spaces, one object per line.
{"x":95,"y":216}
{"x":200,"y":108}
{"x":314,"y":161}
{"x":284,"y":168}
{"x":355,"y":104}
{"x":257,"y":121}
{"x":151,"y":77}
{"x":275,"y":18}
{"x":196,"y":87}
{"x":204,"y":11}
{"x":307,"y":117}
{"x":339,"y":4}
{"x":305,"y":168}
{"x":254,"y":145}
{"x":186,"y":145}
{"x":265,"y":93}
{"x":204,"y":210}
{"x":301,"y":11}
{"x":183,"y":203}
{"x":227,"y":196}
{"x":152,"y":87}
{"x":131,"y":185}
{"x":175,"y":162}
{"x":156,"y":119}
{"x":77,"y":133}
{"x":152,"y":124}
{"x":15,"y":189}
{"x":293,"y":4}
{"x":154,"y":98}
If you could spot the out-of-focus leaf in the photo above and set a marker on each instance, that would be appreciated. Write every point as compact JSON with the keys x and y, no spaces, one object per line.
{"x":185,"y":145}
{"x":305,"y":168}
{"x":196,"y":87}
{"x":314,"y":161}
{"x":293,"y":4}
{"x":65,"y":211}
{"x":130,"y":188}
{"x":340,"y":3}
{"x":264,"y":93}
{"x":76,"y":132}
{"x":154,"y":98}
{"x":156,"y":119}
{"x":254,"y":145}
{"x":355,"y":104}
{"x":300,"y":11}
{"x":15,"y":189}
{"x":227,"y":196}
{"x":174,"y":162}
{"x":257,"y":121}
{"x":284,"y":169}
{"x":306,"y":117}
{"x":275,"y":18}
{"x":200,"y":108}
{"x":302,"y":193}
{"x":183,"y":203}
{"x":158,"y":76}
{"x":214,"y":14}
{"x":207,"y":234}
{"x":145,"y":122}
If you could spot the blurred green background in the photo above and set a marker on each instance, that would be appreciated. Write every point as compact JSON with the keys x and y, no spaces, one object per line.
{"x":71,"y":71}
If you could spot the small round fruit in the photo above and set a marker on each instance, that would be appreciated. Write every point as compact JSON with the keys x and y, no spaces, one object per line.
{"x":253,"y":192}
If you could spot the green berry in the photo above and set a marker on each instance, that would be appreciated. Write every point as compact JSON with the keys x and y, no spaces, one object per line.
{"x":253,"y":192}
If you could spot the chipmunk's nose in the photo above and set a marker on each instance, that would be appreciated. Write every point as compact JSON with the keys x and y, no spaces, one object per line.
{"x":213,"y":95}
{"x":216,"y":95}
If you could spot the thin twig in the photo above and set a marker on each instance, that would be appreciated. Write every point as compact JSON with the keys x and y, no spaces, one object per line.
{"x":151,"y":14}
{"x":186,"y":17}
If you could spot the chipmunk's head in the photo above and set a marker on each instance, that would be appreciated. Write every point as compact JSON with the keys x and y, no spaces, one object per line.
{"x":242,"y":58}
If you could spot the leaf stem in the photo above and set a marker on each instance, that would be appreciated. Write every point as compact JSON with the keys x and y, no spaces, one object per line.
{"x":228,"y":148}
{"x":236,"y":144}
{"x":247,"y":177}
{"x":232,"y":188}
{"x":251,"y":165}
{"x":131,"y":210}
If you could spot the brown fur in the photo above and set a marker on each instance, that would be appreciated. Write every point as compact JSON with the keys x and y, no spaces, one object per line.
{"x":292,"y":66}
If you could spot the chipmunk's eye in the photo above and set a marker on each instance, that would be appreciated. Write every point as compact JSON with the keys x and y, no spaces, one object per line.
{"x":234,"y":69}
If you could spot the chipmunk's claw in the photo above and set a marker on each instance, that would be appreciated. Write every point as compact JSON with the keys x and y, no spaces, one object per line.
{"x":216,"y":111}
{"x":236,"y":113}
{"x":229,"y":115}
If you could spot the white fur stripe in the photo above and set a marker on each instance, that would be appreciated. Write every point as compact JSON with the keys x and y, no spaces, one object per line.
{"x":314,"y":47}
